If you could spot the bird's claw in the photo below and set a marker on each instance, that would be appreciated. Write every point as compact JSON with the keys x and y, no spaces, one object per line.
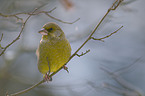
{"x":47,"y":77}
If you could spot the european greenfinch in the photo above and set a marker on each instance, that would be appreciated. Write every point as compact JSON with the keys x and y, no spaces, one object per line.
{"x":54,"y":49}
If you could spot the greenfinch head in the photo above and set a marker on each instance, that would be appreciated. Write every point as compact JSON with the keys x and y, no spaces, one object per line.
{"x":52,"y":30}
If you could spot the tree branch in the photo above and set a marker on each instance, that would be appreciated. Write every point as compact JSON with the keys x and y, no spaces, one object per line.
{"x":18,"y":37}
{"x":36,"y":13}
{"x":23,"y":13}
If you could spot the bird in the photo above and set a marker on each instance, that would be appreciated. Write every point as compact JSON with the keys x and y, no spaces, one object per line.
{"x":54,"y":50}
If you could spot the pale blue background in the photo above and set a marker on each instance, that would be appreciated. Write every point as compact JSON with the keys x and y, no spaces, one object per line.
{"x":18,"y":66}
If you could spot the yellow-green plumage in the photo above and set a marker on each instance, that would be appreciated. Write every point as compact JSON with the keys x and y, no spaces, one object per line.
{"x":54,"y":49}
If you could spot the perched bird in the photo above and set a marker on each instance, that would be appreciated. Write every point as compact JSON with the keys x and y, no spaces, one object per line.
{"x":54,"y":49}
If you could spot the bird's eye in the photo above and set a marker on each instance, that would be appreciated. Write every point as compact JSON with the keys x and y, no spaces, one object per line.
{"x":50,"y":29}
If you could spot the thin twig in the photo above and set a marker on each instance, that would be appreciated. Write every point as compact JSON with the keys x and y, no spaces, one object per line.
{"x":14,"y":15}
{"x":87,"y":51}
{"x":0,"y":42}
{"x":1,"y":37}
{"x":61,"y":20}
{"x":107,"y":35}
{"x":26,"y":90}
{"x":74,"y":54}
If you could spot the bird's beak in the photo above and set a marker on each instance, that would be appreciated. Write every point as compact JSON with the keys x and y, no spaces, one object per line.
{"x":43,"y":32}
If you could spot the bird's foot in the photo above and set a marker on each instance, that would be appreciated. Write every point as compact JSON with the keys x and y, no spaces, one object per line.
{"x":47,"y":77}
{"x":65,"y":68}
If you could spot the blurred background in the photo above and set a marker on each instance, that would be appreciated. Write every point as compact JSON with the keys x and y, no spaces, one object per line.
{"x":115,"y":67}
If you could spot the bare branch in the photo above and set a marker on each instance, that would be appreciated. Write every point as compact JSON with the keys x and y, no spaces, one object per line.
{"x":107,"y":35}
{"x":1,"y":37}
{"x":97,"y":39}
{"x":61,"y":20}
{"x":14,"y":15}
{"x":36,"y":13}
{"x":87,"y":51}
{"x":115,"y":5}
{"x":18,"y":37}
{"x":26,"y":90}
{"x":23,"y":13}
{"x":0,"y":42}
{"x":52,"y":10}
